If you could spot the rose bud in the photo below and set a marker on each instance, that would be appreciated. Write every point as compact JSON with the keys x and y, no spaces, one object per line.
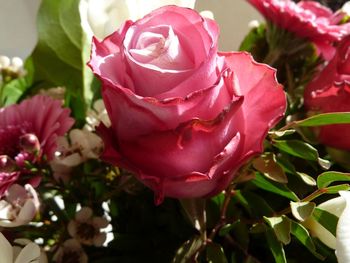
{"x":29,"y":143}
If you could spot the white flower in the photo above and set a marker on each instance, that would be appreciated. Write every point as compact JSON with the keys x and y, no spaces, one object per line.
{"x":102,"y":17}
{"x":340,"y":207}
{"x":346,"y":8}
{"x":86,"y":228}
{"x":83,"y":145}
{"x":25,"y":252}
{"x":19,"y":206}
{"x":342,"y":250}
{"x":70,"y":251}
{"x":96,"y":115}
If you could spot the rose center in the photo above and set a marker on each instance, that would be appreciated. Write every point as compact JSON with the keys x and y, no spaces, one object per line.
{"x":160,"y":47}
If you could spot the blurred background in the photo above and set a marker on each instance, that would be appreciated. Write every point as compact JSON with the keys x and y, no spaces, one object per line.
{"x":18,"y":30}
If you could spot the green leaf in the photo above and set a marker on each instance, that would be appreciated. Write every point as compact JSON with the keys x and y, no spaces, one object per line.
{"x":307,"y":178}
{"x":60,"y":56}
{"x":277,"y":188}
{"x":302,"y":150}
{"x":325,"y":119}
{"x":275,"y":247}
{"x":302,"y":210}
{"x":335,"y":189}
{"x":13,"y":90}
{"x":281,"y":226}
{"x":185,"y":253}
{"x":215,"y":253}
{"x":275,"y":134}
{"x":195,"y":211}
{"x":326,"y":219}
{"x":227,"y":228}
{"x":253,"y":203}
{"x":326,"y":178}
{"x":268,"y":166}
{"x":301,"y":233}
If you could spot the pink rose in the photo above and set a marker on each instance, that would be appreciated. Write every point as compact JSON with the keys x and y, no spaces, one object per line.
{"x":184,"y":117}
{"x":306,"y":19}
{"x":330,"y":92}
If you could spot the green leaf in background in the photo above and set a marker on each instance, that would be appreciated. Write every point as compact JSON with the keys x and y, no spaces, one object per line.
{"x":271,"y":186}
{"x":185,"y":253}
{"x":281,"y":225}
{"x":325,"y":119}
{"x":14,"y":90}
{"x":301,"y":233}
{"x":326,"y":219}
{"x":302,"y":210}
{"x":302,"y":150}
{"x":215,"y":253}
{"x":326,"y":178}
{"x":255,"y":42}
{"x":60,"y":56}
{"x":276,"y":247}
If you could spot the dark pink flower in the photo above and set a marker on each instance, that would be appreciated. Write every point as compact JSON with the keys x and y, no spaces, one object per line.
{"x":306,"y":19}
{"x":40,"y":117}
{"x":330,"y":92}
{"x":184,"y":117}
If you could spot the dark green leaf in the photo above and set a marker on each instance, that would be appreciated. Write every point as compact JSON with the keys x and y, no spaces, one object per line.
{"x":215,"y":253}
{"x":302,"y":150}
{"x":187,"y":250}
{"x":281,"y":226}
{"x":275,"y":247}
{"x":277,"y":188}
{"x":301,"y":233}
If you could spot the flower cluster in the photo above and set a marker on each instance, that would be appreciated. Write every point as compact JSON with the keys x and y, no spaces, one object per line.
{"x":128,"y":136}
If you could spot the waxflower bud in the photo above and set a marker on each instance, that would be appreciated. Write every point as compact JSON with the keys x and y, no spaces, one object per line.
{"x":29,"y":143}
{"x":7,"y":165}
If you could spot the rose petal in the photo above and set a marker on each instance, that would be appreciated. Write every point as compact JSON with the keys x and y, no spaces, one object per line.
{"x":343,"y":232}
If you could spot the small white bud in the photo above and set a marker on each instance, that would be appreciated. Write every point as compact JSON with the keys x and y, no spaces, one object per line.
{"x":253,"y":24}
{"x":17,"y":63}
{"x":4,"y":62}
{"x":346,"y":8}
{"x":207,"y":14}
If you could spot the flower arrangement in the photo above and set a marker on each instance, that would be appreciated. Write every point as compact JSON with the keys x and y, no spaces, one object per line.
{"x":128,"y":136}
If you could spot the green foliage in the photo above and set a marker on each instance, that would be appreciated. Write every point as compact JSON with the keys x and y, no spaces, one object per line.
{"x":65,"y":48}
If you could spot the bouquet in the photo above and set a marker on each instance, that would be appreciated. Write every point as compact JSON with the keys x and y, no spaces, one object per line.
{"x":128,"y":136}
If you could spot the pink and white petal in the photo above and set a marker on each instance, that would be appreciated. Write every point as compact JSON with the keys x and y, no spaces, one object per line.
{"x":72,"y":228}
{"x":100,"y":222}
{"x":99,"y":239}
{"x":258,"y":84}
{"x":28,"y":254}
{"x":84,"y":214}
{"x":6,"y":250}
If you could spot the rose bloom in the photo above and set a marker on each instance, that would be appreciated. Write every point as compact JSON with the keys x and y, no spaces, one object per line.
{"x":330,"y":92}
{"x":28,"y":132}
{"x":184,"y":117}
{"x":306,"y":19}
